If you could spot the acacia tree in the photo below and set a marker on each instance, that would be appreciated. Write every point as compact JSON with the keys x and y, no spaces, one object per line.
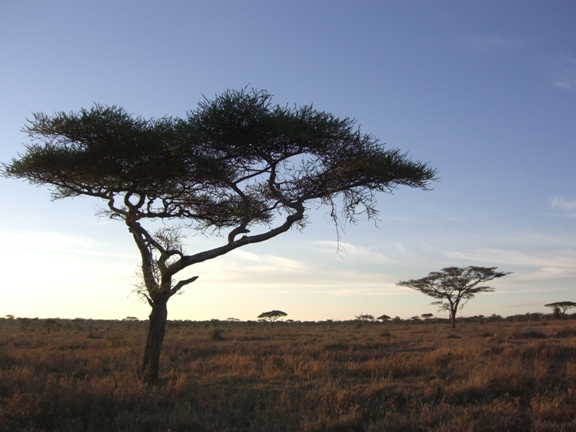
{"x":234,"y":165}
{"x":272,"y":316}
{"x":562,"y":306}
{"x":365,"y":317}
{"x":454,"y":286}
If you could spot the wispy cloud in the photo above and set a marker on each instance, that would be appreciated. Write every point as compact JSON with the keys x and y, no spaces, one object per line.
{"x":536,"y":264}
{"x":565,"y":75}
{"x":490,"y":44}
{"x":563,"y":205}
{"x":353,"y":252}
{"x":316,"y":269}
{"x":564,"y":84}
{"x":264,"y":261}
{"x":371,"y":292}
{"x":519,"y":257}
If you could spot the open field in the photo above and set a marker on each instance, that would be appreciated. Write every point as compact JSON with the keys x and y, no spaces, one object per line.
{"x":79,"y":375}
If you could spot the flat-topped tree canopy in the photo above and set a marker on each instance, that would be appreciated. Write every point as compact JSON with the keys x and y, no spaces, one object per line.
{"x":452,"y":287}
{"x":235,"y":163}
{"x":563,"y":306}
{"x":272,"y":316}
{"x":235,"y":160}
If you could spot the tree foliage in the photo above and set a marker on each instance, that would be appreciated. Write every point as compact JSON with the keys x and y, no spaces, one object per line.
{"x":237,"y":165}
{"x":452,"y":287}
{"x":365,"y":317}
{"x":562,"y":306}
{"x":272,"y":316}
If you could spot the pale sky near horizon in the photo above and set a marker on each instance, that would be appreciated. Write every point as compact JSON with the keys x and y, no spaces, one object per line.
{"x":485,"y":91}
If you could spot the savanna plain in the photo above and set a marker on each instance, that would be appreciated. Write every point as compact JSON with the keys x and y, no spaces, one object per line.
{"x":488,"y":374}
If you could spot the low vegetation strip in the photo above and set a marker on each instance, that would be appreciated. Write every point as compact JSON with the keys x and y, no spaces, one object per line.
{"x":79,"y":375}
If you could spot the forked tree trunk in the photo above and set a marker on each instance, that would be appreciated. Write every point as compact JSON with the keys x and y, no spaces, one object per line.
{"x":156,"y":331}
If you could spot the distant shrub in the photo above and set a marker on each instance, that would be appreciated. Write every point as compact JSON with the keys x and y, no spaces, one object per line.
{"x":216,"y":334}
{"x":24,"y":323}
{"x":50,"y":325}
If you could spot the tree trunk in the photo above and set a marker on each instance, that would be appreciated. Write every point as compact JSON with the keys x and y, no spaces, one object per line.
{"x":156,"y":331}
{"x":453,"y":318}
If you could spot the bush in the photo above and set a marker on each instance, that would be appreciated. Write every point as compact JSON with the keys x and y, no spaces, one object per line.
{"x":216,"y":334}
{"x":528,"y":334}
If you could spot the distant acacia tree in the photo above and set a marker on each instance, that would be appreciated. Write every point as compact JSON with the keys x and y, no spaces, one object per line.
{"x":365,"y":317}
{"x":237,"y":164}
{"x":384,"y":318}
{"x":272,"y":316}
{"x":454,"y":286}
{"x":562,"y":306}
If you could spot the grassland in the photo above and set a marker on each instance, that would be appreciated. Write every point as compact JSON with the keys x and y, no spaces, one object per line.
{"x":78,"y":375}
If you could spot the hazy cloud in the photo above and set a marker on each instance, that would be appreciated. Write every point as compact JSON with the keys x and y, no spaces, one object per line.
{"x":518,"y":257}
{"x":35,"y":241}
{"x":564,"y":205}
{"x":351,"y":251}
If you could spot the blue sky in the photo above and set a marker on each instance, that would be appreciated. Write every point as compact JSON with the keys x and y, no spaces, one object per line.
{"x":483,"y":90}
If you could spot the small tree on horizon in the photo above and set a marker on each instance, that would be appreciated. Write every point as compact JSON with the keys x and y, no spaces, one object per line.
{"x":237,"y":165}
{"x":365,"y":317}
{"x":454,"y":286}
{"x":272,"y":316}
{"x":562,"y":306}
{"x":384,"y":318}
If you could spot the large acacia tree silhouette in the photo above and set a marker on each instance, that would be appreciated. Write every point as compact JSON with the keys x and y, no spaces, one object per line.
{"x":236,"y":163}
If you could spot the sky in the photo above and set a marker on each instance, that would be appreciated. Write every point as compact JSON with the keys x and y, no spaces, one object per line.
{"x":484,"y":91}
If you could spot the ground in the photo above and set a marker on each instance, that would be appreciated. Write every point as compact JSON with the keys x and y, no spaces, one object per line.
{"x":486,"y":375}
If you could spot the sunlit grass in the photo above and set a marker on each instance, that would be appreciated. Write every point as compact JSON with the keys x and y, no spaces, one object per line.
{"x":334,"y":376}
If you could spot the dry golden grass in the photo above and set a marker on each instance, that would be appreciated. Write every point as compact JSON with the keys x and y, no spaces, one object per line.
{"x":220,"y":376}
